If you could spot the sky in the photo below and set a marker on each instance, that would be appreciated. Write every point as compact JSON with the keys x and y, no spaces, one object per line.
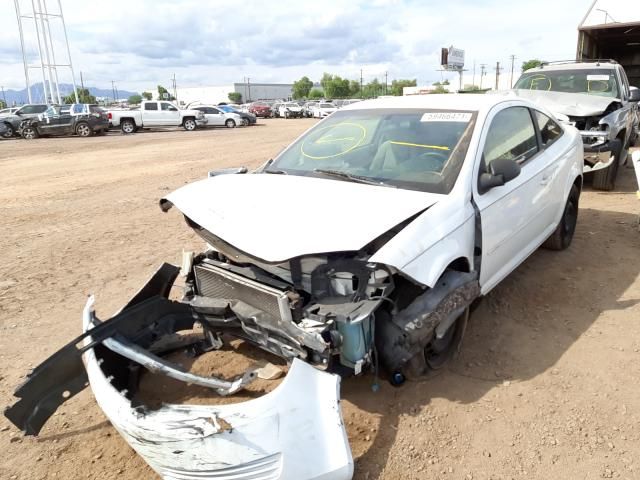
{"x":142,"y":43}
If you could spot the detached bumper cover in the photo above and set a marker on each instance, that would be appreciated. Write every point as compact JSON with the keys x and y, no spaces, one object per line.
{"x":597,"y":155}
{"x":295,"y":432}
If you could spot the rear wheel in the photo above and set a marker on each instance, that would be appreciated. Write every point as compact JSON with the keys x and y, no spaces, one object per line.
{"x":128,"y":126}
{"x":29,"y":133}
{"x":189,"y":124}
{"x":10,"y":131}
{"x":563,"y":234}
{"x":605,"y":179}
{"x":230,"y":123}
{"x":83,"y":130}
{"x":245,"y":122}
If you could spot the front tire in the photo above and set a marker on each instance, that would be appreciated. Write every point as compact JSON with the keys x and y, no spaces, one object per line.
{"x":83,"y":130}
{"x":128,"y":126}
{"x":605,"y":179}
{"x":245,"y":122}
{"x":29,"y":133}
{"x":230,"y":123}
{"x":561,"y":238}
{"x":189,"y":124}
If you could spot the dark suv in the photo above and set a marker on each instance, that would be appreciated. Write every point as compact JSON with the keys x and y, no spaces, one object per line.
{"x":80,"y":118}
{"x":12,"y":121}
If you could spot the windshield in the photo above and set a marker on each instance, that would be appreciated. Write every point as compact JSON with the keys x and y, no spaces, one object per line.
{"x":327,"y":105}
{"x":596,"y":81}
{"x":416,"y":149}
{"x":226,"y":108}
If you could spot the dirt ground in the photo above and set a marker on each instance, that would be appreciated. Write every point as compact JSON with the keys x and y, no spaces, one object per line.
{"x":546,"y":385}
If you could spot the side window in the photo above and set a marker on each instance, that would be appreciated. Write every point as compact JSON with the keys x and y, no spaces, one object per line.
{"x":151,"y":106}
{"x":511,"y":136}
{"x":625,"y":82}
{"x":77,"y":108}
{"x":167,"y":107}
{"x":214,"y":111}
{"x":550,"y":131}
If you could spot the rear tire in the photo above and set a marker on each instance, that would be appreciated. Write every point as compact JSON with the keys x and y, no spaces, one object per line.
{"x":230,"y":123}
{"x":606,"y":179}
{"x":245,"y":122}
{"x":128,"y":126}
{"x":561,"y":238}
{"x":83,"y":130}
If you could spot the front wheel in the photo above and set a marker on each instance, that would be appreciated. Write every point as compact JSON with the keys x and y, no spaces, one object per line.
{"x":245,"y":122}
{"x":230,"y":123}
{"x":83,"y":130}
{"x":605,"y":179}
{"x":189,"y":124}
{"x":563,"y":234}
{"x":10,"y":131}
{"x":438,"y":351}
{"x":29,"y":133}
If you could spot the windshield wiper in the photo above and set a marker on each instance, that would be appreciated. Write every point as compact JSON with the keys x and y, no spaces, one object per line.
{"x":352,"y":177}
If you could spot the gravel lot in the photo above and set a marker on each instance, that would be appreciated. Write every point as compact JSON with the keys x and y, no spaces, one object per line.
{"x":546,"y":385}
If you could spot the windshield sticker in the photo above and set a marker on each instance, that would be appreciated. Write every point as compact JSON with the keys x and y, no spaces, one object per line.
{"x":602,"y":78}
{"x":446,"y":117}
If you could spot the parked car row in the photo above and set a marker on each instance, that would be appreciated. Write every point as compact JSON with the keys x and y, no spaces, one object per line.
{"x":36,"y":120}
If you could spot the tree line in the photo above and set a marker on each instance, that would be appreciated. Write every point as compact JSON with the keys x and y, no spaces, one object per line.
{"x":334,"y":86}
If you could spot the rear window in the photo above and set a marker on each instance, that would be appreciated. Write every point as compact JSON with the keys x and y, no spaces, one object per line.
{"x":151,"y":106}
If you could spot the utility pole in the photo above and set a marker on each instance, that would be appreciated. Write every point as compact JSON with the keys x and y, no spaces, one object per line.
{"x":385,"y":82}
{"x":117,"y":94}
{"x":249,"y":85}
{"x":81,"y":81}
{"x":113,"y":89}
{"x":4,"y":97}
{"x":483,"y":66}
{"x":175,"y":88}
{"x":361,"y":92}
{"x":513,"y":59}
{"x":497,"y":74}
{"x":473,"y":80}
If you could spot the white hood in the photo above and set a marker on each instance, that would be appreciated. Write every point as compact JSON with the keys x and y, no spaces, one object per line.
{"x":278,"y":217}
{"x":572,"y":104}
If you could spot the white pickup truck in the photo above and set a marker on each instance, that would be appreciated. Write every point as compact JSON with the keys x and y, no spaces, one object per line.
{"x":155,"y":114}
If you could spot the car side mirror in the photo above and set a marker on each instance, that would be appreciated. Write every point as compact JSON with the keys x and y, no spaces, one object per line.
{"x":501,"y":171}
{"x":634,"y":94}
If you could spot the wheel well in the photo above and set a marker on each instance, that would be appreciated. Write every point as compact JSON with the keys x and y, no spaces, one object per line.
{"x":188,"y":118}
{"x":459,"y":265}
{"x":578,"y":183}
{"x":127,"y":118}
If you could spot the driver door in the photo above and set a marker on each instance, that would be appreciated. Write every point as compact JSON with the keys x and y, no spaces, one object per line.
{"x":514,"y":216}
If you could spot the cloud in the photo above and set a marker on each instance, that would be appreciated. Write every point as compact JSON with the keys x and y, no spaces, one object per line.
{"x":144,"y":42}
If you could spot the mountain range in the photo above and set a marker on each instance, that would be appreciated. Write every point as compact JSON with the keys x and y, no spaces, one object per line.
{"x":20,"y":97}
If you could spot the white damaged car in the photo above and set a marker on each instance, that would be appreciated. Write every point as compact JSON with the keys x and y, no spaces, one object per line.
{"x":361,"y":246}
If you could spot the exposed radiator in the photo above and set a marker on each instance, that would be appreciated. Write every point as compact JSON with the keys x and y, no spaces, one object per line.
{"x":217,"y":282}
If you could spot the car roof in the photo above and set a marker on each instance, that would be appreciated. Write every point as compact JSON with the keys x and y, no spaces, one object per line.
{"x":443,"y":101}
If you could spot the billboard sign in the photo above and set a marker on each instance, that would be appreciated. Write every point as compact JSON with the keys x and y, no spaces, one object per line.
{"x":455,"y":57}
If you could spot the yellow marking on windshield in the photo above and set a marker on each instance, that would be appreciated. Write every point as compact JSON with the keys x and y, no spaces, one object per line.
{"x":539,"y":78}
{"x":328,"y":139}
{"x":406,"y":144}
{"x":356,"y":141}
